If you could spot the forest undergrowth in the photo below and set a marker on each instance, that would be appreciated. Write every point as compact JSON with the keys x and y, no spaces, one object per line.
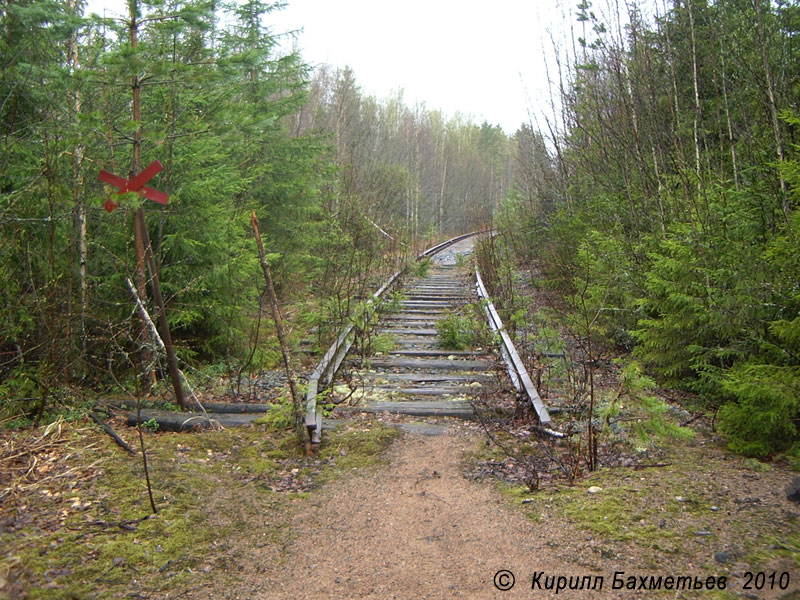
{"x":653,"y":486}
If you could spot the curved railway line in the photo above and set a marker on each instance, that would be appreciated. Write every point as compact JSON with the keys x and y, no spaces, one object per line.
{"x":418,"y":376}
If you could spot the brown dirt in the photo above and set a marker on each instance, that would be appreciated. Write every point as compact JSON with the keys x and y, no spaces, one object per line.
{"x":417,"y":529}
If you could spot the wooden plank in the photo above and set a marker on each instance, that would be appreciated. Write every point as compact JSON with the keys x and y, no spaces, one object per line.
{"x":416,"y":342}
{"x":432,"y":353}
{"x":433,"y":377}
{"x":417,"y":409}
{"x":432,"y":364}
{"x":426,"y":391}
{"x":399,"y":331}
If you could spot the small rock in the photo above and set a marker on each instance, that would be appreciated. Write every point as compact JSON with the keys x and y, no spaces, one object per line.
{"x":722,"y":557}
{"x":679,"y":498}
{"x":793,"y":491}
{"x":594,"y":489}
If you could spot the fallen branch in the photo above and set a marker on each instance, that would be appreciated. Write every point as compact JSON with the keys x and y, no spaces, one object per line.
{"x":110,"y":431}
{"x":151,"y":326}
{"x":376,"y":226}
{"x":303,"y":435}
{"x":691,"y":419}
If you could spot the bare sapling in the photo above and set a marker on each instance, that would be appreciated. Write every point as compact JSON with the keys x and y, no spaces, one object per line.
{"x":302,"y":433}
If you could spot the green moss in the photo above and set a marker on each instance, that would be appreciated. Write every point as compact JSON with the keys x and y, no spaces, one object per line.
{"x":106,"y":539}
{"x":768,"y":548}
{"x":521,"y":496}
{"x":207,"y":486}
{"x":756,"y":465}
{"x":357,"y":447}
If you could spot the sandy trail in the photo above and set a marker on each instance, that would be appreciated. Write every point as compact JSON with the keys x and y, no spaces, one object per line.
{"x":417,"y":529}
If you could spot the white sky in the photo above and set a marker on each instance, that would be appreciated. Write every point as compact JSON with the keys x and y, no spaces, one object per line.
{"x":479,"y":59}
{"x":484,"y":61}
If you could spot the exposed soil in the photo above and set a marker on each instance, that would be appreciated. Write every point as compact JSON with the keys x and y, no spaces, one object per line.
{"x":438,"y":521}
{"x":420,"y":528}
{"x":417,"y":529}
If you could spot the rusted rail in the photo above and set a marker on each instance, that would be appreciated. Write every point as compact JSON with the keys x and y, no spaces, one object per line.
{"x":332,"y":359}
{"x":447,"y":243}
{"x":323,"y":375}
{"x":516,"y":368}
{"x":330,"y":363}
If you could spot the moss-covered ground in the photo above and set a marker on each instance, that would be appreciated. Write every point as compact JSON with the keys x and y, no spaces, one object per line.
{"x":76,"y":520}
{"x":699,"y":509}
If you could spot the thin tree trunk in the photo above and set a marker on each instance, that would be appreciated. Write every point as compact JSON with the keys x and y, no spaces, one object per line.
{"x":80,"y":212}
{"x":676,"y":115}
{"x":731,"y":144}
{"x":172,"y":362}
{"x":302,"y":432}
{"x":773,"y":107}
{"x":147,"y":357}
{"x":695,"y":84}
{"x":440,"y":215}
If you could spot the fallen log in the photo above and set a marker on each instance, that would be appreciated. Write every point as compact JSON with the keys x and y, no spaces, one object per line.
{"x":187,"y":421}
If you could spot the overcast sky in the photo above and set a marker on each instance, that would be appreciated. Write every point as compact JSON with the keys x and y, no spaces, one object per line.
{"x":481,"y":59}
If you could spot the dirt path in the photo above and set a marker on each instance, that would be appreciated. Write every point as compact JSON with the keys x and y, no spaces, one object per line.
{"x":415,"y":529}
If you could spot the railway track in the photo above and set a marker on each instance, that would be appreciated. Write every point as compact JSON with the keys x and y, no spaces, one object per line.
{"x":419,"y":376}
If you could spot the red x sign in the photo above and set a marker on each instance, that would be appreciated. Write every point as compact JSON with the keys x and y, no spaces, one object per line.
{"x":135,"y":184}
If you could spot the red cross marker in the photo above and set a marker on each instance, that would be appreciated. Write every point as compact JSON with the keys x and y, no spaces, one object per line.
{"x":135,"y":184}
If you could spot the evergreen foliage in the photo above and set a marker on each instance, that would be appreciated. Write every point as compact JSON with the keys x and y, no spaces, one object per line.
{"x":216,"y":100}
{"x":345,"y":187}
{"x":666,"y":204}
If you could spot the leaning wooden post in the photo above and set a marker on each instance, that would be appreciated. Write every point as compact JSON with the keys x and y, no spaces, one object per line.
{"x":299,"y":419}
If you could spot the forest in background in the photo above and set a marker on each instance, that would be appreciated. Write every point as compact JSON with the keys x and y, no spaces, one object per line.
{"x":344,"y":186}
{"x":659,"y":196}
